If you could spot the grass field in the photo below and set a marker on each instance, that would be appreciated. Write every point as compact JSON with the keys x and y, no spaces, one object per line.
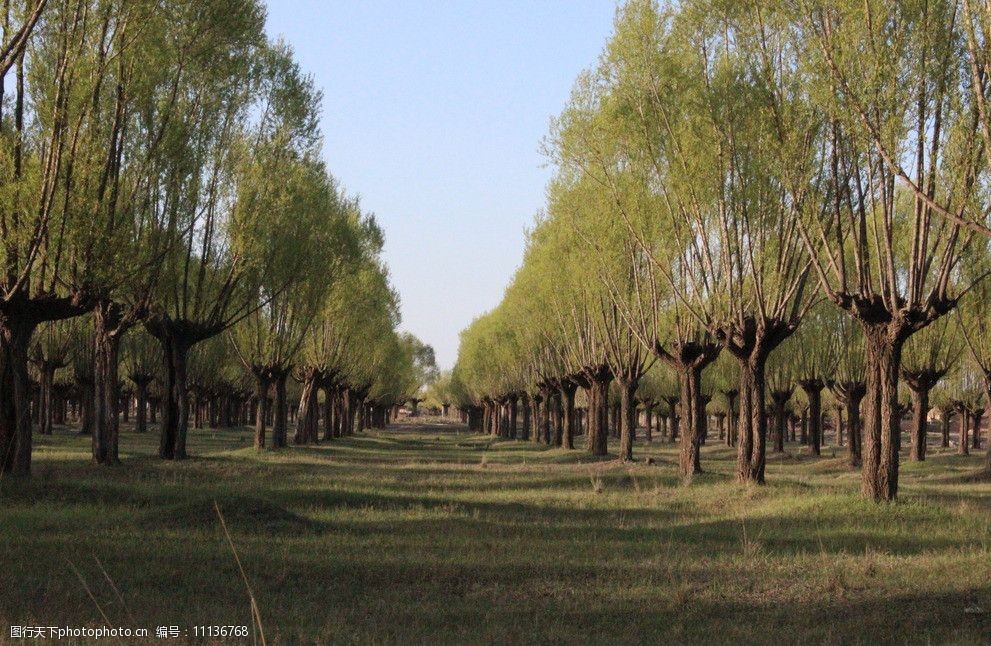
{"x":426,"y":534}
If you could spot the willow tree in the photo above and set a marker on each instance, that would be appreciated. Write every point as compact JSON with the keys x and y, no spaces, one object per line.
{"x":610,"y":286}
{"x":141,"y":364}
{"x":360,"y":306}
{"x":966,"y":395}
{"x":940,"y":53}
{"x":974,"y":327}
{"x":890,"y":88}
{"x":725,"y":379}
{"x":425,"y":369}
{"x":780,"y":388}
{"x":558,"y":349}
{"x":394,"y":371}
{"x":439,"y":393}
{"x":146,"y":62}
{"x":848,"y":385}
{"x":597,"y":143}
{"x":50,"y":352}
{"x":480,"y":377}
{"x":60,"y":165}
{"x":256,"y":120}
{"x":926,"y":359}
{"x":697,"y":127}
{"x":291,"y":294}
{"x":814,"y":354}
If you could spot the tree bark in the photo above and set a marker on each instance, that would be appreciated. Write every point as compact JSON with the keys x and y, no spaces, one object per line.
{"x":813,"y":392}
{"x":281,"y":413}
{"x":598,"y":434}
{"x":752,"y":423}
{"x":567,"y":394}
{"x":46,"y":405}
{"x":141,"y":410}
{"x":963,"y":426}
{"x":175,"y":400}
{"x":513,"y":414}
{"x":881,"y":428}
{"x":15,"y":397}
{"x":689,"y":462}
{"x":328,"y":413}
{"x":920,"y":423}
{"x":106,"y":430}
{"x":780,"y":399}
{"x":262,"y":383}
{"x":527,"y":412}
{"x":628,"y":417}
{"x":945,"y":416}
{"x":306,"y":415}
{"x":538,"y":416}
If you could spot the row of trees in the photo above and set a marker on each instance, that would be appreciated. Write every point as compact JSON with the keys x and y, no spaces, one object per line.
{"x":160,"y":175}
{"x":797,"y":190}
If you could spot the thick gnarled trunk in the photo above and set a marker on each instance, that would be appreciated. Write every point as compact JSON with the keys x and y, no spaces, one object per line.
{"x":175,"y":400}
{"x":880,"y":430}
{"x":692,"y":416}
{"x":751,"y":423}
{"x":15,"y":397}
{"x":106,"y":430}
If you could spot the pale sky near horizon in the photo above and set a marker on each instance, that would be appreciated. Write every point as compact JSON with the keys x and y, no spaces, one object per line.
{"x":433,"y":113}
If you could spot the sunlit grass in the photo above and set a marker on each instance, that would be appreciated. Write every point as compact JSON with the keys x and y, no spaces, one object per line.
{"x":431,"y":536}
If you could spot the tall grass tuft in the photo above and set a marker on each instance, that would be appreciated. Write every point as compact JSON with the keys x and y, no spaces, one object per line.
{"x":256,"y":617}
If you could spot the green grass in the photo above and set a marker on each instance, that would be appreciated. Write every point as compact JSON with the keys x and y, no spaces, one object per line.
{"x":429,"y":535}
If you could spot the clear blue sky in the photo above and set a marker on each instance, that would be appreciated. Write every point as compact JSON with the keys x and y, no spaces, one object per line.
{"x":433,"y":113}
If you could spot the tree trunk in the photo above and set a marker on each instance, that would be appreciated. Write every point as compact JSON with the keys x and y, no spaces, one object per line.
{"x":15,"y":397}
{"x":813,"y":392}
{"x":513,"y":413}
{"x":280,"y":420}
{"x":141,"y":413}
{"x":780,"y":399}
{"x":306,"y":416}
{"x":920,"y":423}
{"x":558,"y":418}
{"x":598,"y":435}
{"x":328,"y":413}
{"x":569,"y":422}
{"x":262,"y":384}
{"x":752,"y":423}
{"x":963,"y":447}
{"x":881,"y":427}
{"x":175,"y":401}
{"x":692,"y":411}
{"x":538,"y":416}
{"x":526,"y":417}
{"x":628,"y":417}
{"x":731,"y":417}
{"x":106,"y":431}
{"x":47,"y":409}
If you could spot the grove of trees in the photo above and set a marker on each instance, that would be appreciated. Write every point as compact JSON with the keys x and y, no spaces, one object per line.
{"x":762,"y":212}
{"x":172,"y":242}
